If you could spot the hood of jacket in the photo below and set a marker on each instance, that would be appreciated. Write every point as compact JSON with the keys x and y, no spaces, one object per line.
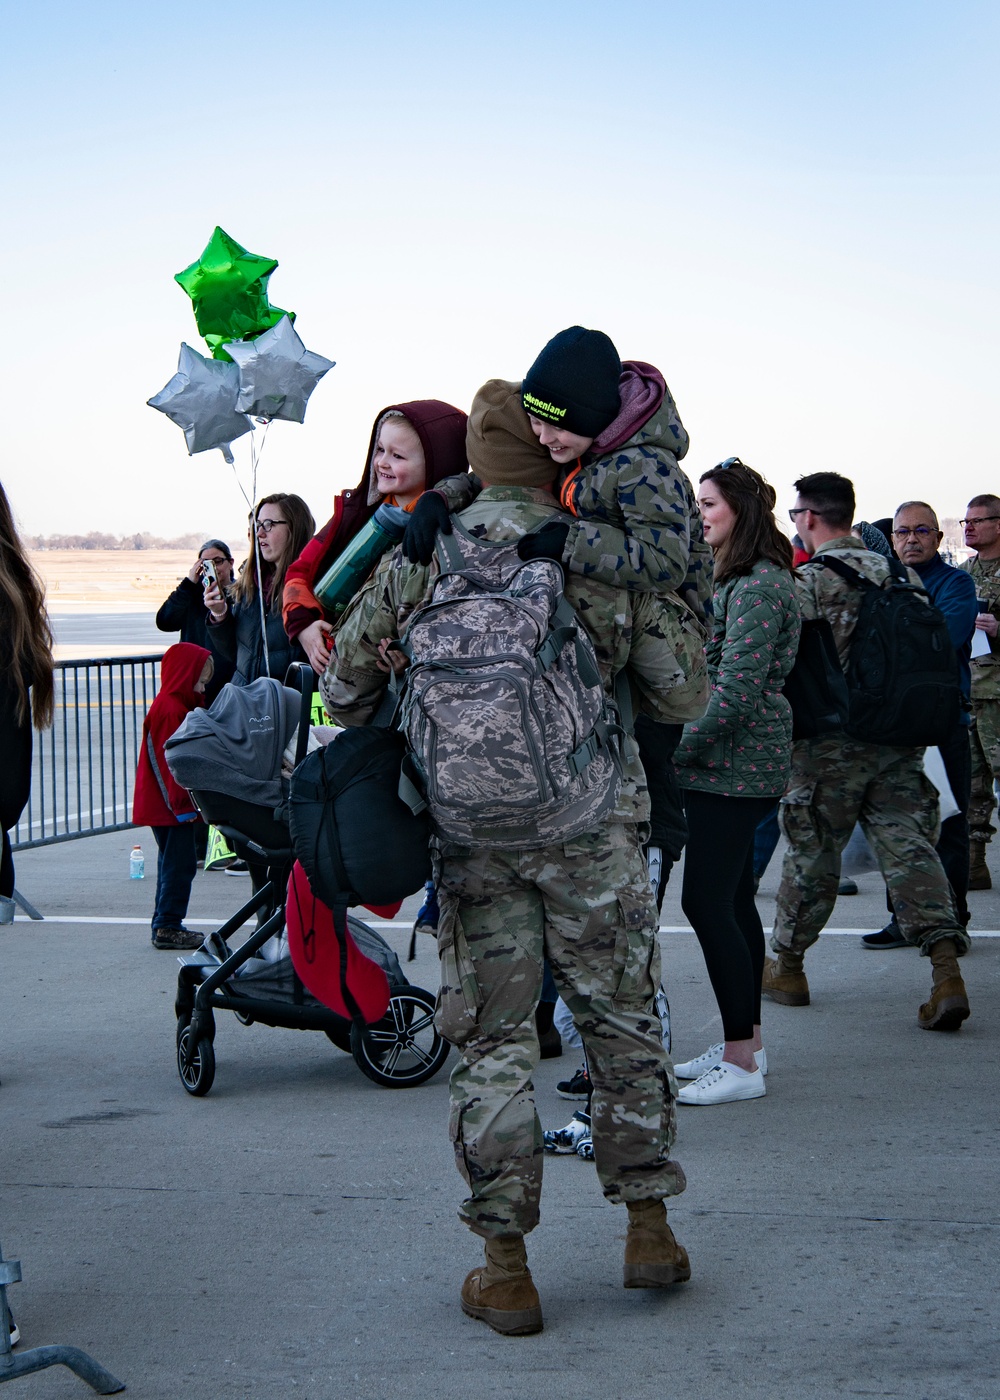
{"x":180,"y":670}
{"x":648,"y":414}
{"x":441,"y":429}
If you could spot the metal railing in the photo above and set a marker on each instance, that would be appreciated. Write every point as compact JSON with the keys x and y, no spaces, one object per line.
{"x":83,"y":768}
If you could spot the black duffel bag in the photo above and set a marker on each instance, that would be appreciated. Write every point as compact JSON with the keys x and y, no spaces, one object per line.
{"x":816,"y":687}
{"x":358,"y":842}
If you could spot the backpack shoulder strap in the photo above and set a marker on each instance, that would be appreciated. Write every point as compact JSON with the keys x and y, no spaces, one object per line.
{"x":846,"y":571}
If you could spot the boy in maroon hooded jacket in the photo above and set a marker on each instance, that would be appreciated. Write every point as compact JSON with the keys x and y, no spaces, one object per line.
{"x":440,"y":429}
{"x":161,"y":803}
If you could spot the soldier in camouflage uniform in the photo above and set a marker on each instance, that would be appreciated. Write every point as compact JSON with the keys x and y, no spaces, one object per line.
{"x":982,"y":533}
{"x":613,"y":431}
{"x":838,"y":781}
{"x":584,"y":903}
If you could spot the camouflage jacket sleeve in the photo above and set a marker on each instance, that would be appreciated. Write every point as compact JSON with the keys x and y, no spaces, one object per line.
{"x":458,"y":491}
{"x":354,"y":683}
{"x":634,"y":526}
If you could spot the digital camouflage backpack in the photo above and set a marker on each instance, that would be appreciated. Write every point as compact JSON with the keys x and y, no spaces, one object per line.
{"x":511,"y":735}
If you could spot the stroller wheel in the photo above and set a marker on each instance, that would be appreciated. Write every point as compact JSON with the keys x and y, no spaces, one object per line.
{"x":404,"y":1048}
{"x":198,"y":1072}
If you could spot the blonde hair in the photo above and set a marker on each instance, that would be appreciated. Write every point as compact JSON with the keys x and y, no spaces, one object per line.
{"x":25,"y":635}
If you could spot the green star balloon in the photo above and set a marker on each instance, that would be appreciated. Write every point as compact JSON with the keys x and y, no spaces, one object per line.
{"x":228,"y":289}
{"x":216,"y":343}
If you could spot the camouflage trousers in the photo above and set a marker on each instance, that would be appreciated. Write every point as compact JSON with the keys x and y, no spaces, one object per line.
{"x":834,"y":783}
{"x":984,"y":741}
{"x":586,"y":905}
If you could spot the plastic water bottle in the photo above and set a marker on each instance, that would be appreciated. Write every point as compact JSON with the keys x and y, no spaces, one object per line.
{"x":136,"y":864}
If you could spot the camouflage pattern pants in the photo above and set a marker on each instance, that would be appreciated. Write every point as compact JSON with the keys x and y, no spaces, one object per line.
{"x":586,"y":905}
{"x":835,"y":783}
{"x":984,"y":741}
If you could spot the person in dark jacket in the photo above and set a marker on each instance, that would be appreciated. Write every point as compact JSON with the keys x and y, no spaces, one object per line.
{"x":161,"y":803}
{"x":917,"y":538}
{"x":26,"y":690}
{"x":184,"y":611}
{"x":239,"y":626}
{"x":439,"y":449}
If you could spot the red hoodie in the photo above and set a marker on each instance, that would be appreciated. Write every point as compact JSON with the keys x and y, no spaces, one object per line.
{"x":441,"y":430}
{"x":158,"y":800}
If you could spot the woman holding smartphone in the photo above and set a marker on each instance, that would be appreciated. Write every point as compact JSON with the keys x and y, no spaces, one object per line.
{"x":186,"y":612}
{"x":733,"y":765}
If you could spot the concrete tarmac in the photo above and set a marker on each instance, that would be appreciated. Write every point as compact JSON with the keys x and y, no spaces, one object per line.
{"x":294,"y":1233}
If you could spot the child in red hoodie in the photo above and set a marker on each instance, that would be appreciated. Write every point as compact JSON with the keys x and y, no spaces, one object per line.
{"x":161,"y":803}
{"x":413,"y":446}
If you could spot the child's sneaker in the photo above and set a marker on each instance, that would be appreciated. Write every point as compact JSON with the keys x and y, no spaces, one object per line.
{"x":428,"y":913}
{"x":579,"y":1087}
{"x":176,"y":939}
{"x":568,"y":1139}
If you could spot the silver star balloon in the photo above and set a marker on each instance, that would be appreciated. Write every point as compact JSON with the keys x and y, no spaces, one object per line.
{"x":201,"y":399}
{"x":277,"y":373}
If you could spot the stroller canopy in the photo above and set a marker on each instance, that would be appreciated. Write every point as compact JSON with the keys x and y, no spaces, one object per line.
{"x":235,"y":747}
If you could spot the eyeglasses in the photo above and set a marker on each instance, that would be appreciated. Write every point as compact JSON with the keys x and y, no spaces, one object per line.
{"x":800,"y":510}
{"x":268,"y":525}
{"x":979,"y":520}
{"x":920,"y":531}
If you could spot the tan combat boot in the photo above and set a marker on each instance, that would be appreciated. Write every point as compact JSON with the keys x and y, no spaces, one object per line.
{"x":502,"y":1293}
{"x":784,"y":979}
{"x":948,"y":1006}
{"x":653,"y":1258}
{"x":979,"y":871}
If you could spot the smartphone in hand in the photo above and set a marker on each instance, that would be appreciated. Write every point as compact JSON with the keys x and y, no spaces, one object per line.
{"x":208,"y":573}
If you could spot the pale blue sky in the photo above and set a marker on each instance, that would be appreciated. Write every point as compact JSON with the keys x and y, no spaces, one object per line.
{"x":790,"y":208}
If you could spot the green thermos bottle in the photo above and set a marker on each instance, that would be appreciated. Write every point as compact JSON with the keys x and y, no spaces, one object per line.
{"x":349,"y":571}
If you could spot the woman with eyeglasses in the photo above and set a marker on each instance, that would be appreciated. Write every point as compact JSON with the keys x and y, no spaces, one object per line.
{"x":283,"y":524}
{"x":733,"y":765}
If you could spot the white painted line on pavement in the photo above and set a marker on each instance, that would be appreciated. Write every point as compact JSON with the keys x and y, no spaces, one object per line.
{"x":406,"y":926}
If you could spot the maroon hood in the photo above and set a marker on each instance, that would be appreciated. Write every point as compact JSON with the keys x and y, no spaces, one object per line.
{"x":642,"y":388}
{"x":441,"y":429}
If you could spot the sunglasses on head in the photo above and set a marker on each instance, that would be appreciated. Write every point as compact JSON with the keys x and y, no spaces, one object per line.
{"x":736,"y":462}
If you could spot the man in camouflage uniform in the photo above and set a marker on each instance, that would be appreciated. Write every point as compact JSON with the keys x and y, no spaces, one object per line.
{"x":837,"y":781}
{"x":584,"y":903}
{"x":982,"y":533}
{"x":614,"y":435}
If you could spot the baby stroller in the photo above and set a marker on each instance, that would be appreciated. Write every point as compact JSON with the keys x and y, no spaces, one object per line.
{"x":230,"y":758}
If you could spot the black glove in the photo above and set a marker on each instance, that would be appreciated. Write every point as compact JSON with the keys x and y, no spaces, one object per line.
{"x":428,"y":517}
{"x":545,"y":543}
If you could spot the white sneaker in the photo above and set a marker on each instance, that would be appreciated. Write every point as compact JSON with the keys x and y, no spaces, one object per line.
{"x":694,"y":1069}
{"x":724,"y":1084}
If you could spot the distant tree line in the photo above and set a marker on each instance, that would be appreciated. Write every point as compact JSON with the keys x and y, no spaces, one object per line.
{"x":97,"y":539}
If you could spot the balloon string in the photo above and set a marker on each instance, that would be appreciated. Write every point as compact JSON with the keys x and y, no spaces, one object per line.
{"x":254,"y":460}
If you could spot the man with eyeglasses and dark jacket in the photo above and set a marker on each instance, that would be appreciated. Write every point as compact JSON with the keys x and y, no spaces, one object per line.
{"x":982,"y":533}
{"x":917,"y":537}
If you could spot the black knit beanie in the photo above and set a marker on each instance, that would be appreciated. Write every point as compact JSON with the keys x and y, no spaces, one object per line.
{"x":574,"y":382}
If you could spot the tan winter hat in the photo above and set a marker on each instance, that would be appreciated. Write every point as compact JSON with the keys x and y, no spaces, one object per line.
{"x":502,"y":449}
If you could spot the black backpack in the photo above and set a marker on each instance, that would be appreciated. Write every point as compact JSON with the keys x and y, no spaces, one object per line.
{"x":357,"y":841}
{"x":902,"y":674}
{"x":816,"y":687}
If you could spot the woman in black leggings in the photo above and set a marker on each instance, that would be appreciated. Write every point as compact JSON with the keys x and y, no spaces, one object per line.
{"x":733,"y":765}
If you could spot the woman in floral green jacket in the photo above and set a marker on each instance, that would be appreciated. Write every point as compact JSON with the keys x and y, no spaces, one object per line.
{"x":733,"y":765}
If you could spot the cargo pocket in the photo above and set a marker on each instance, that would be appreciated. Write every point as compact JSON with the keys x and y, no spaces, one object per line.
{"x":458,"y":1000}
{"x":636,"y":951}
{"x":797,"y":819}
